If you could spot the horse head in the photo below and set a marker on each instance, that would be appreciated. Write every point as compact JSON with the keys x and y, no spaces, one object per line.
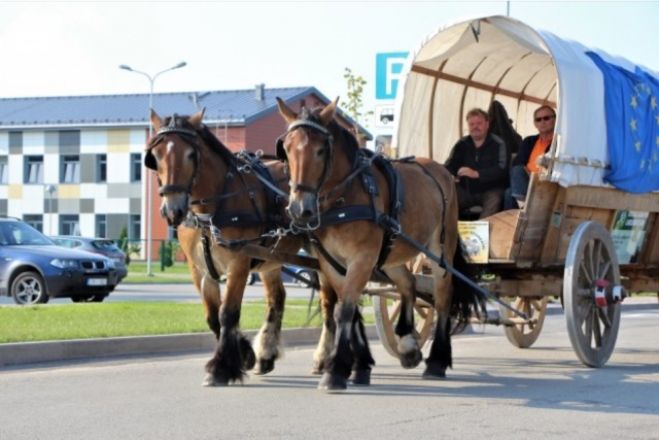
{"x":308,"y":149}
{"x":175,"y":154}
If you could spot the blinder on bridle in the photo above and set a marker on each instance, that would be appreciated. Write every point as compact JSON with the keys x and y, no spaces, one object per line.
{"x":329,"y":140}
{"x":188,"y":135}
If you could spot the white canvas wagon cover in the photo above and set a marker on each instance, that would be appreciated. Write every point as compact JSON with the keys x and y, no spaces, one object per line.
{"x":471,"y":63}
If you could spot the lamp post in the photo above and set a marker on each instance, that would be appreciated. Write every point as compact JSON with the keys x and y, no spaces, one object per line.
{"x":149,"y":223}
{"x":50,"y":190}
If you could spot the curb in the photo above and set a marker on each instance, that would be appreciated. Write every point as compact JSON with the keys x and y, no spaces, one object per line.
{"x":99,"y":348}
{"x":77,"y":349}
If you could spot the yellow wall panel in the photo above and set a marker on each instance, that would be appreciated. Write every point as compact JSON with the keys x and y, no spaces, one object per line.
{"x":15,"y":191}
{"x":118,"y":141}
{"x":69,"y":192}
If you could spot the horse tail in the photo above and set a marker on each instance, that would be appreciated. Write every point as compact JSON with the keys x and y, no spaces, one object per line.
{"x":466,"y":301}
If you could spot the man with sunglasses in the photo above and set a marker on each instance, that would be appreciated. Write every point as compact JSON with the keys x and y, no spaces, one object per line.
{"x":479,"y":163}
{"x":525,"y":163}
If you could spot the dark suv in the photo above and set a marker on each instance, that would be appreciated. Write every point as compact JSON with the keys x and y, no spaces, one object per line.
{"x":101,"y":246}
{"x":33,"y":269}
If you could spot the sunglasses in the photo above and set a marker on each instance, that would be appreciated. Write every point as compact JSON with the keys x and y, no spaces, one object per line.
{"x":544,"y":118}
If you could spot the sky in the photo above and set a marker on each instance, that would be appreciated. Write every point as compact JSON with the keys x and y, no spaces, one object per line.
{"x":62,"y":48}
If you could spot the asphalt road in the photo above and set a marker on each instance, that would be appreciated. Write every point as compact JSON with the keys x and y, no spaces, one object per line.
{"x":494,"y":390}
{"x":173,"y":292}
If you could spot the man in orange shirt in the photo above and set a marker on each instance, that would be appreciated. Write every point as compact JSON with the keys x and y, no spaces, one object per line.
{"x":532,"y":147}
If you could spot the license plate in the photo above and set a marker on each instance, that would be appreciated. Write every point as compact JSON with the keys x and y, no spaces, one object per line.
{"x":97,"y":281}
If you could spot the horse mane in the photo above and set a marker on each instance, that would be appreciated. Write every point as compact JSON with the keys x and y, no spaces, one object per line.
{"x":342,"y":135}
{"x":213,"y":143}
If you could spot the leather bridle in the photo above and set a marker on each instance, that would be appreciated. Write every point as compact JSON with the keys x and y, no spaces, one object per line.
{"x":189,"y":137}
{"x":328,"y":152}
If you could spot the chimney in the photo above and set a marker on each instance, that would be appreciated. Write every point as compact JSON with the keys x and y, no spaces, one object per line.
{"x":259,"y":90}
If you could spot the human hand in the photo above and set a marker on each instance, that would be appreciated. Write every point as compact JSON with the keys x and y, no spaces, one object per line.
{"x":468,"y":172}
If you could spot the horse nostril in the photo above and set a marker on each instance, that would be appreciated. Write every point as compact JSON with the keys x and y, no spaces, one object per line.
{"x":306,"y":213}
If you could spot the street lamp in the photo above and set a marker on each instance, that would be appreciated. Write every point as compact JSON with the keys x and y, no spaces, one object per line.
{"x":149,"y":223}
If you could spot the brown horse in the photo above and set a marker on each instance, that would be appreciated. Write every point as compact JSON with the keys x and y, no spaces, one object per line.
{"x":215,"y":202}
{"x":342,"y":200}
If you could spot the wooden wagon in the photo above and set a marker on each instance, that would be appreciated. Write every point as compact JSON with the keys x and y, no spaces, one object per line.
{"x":578,"y":238}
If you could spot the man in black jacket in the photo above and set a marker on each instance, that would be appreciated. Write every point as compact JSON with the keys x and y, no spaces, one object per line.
{"x":479,"y":163}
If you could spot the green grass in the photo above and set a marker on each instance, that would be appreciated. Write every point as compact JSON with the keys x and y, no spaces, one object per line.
{"x":82,"y":321}
{"x":178,"y":273}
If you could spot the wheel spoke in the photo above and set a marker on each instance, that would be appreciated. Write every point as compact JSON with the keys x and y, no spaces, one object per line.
{"x":588,"y":327}
{"x":584,"y":271}
{"x":604,"y":271}
{"x":597,"y":334}
{"x":421,"y":311}
{"x":395,"y":311}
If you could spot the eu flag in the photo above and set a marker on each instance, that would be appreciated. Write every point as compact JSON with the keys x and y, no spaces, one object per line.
{"x":632,"y":126}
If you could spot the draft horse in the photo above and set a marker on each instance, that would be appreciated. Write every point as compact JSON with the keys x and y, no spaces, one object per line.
{"x":215,"y":203}
{"x":356,"y":207}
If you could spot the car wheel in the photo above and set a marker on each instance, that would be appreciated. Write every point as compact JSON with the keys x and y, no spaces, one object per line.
{"x":309,"y":276}
{"x":98,"y":298}
{"x":29,"y":288}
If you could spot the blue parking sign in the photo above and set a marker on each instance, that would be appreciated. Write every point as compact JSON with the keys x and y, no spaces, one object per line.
{"x":388,"y":72}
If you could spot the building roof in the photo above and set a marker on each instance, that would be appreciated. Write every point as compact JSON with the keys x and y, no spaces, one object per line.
{"x":225,"y":106}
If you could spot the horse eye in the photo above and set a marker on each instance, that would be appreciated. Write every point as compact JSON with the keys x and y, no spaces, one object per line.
{"x":320,"y":152}
{"x":191,"y":155}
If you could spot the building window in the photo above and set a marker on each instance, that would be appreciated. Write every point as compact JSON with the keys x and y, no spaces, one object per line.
{"x":33,"y":169}
{"x":101,"y":225}
{"x":34,"y":220}
{"x":135,"y":167}
{"x":134,"y":228}
{"x":15,"y":139}
{"x":4,"y":170}
{"x":70,"y":169}
{"x":69,"y":224}
{"x":101,"y":168}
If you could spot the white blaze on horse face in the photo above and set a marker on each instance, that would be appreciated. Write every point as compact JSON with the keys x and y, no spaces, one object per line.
{"x":298,"y":153}
{"x":170,"y":146}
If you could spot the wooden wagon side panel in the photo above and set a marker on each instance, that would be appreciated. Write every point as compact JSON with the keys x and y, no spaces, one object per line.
{"x":534,"y":221}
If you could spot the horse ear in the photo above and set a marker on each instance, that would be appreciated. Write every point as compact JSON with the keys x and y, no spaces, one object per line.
{"x":156,"y":121}
{"x":196,"y":119}
{"x":285,"y":112}
{"x":327,"y":113}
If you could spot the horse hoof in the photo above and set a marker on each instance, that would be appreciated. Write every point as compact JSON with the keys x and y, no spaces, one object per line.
{"x":265,"y":366}
{"x":411,"y":359}
{"x":249,"y":358}
{"x":212,"y":381}
{"x":434,"y":372}
{"x":361,"y":377}
{"x":332,"y":382}
{"x":317,"y":368}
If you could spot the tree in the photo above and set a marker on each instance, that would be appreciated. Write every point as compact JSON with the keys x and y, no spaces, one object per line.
{"x":354,"y":102}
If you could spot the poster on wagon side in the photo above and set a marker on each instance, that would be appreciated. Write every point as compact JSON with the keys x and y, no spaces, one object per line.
{"x":474,"y":240}
{"x":627,"y":234}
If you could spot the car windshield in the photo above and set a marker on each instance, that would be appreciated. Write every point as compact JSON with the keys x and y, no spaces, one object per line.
{"x":106,"y":245}
{"x":18,"y":233}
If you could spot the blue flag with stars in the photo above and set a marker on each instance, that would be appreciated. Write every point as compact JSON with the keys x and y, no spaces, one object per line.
{"x":632,"y":126}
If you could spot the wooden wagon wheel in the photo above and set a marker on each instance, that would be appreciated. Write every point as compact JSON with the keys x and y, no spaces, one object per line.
{"x":387,"y":309}
{"x":524,"y":334}
{"x":593,"y":330}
